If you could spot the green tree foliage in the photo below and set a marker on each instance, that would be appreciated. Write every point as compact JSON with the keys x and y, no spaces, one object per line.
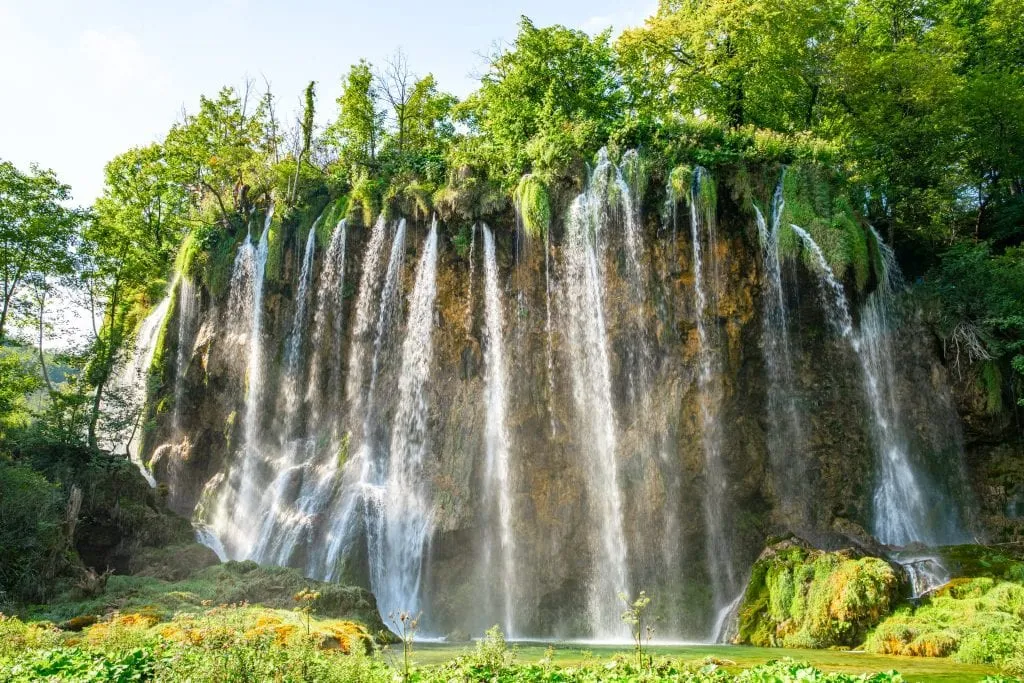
{"x":37,"y":232}
{"x":357,"y":131}
{"x":549,"y":100}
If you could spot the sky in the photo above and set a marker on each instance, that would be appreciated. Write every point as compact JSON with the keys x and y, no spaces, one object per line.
{"x":83,"y":80}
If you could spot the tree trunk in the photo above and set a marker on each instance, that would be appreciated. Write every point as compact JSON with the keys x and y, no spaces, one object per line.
{"x":42,"y":356}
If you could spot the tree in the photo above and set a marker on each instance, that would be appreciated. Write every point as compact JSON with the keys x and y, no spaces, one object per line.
{"x":308,"y":113}
{"x":357,"y":131}
{"x":766,"y":62}
{"x":548,"y":72}
{"x":221,"y":152}
{"x":37,"y":231}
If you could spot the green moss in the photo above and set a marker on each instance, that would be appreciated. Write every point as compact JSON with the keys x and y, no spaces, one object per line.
{"x":992,"y":383}
{"x":533,"y":205}
{"x":800,"y":597}
{"x":816,"y":202}
{"x":680,"y":179}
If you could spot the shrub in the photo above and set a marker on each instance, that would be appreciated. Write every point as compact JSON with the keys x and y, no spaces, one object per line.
{"x":31,"y":532}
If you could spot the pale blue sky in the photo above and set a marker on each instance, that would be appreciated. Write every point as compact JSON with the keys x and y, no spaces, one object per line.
{"x":82,"y":81}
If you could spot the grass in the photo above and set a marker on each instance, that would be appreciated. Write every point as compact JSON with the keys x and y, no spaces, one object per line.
{"x":739,"y":657}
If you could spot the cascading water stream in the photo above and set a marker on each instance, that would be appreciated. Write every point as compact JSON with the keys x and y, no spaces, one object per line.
{"x":497,"y":468}
{"x":361,"y":502}
{"x":397,"y":554}
{"x":327,"y":318}
{"x":131,"y":383}
{"x":280,"y":520}
{"x":583,"y":298}
{"x":786,"y":430}
{"x":188,"y":318}
{"x":716,"y":495}
{"x":902,"y":510}
{"x":236,"y":502}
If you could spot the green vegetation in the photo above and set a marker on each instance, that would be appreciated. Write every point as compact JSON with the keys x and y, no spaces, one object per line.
{"x":801,"y":597}
{"x":244,"y":643}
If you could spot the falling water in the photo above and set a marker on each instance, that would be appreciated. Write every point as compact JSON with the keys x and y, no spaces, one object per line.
{"x":902,"y":510}
{"x":237,"y":497}
{"x":327,"y":317}
{"x":584,"y":304}
{"x":547,"y":331}
{"x":396,"y":556}
{"x":132,"y":383}
{"x":907,"y":509}
{"x":293,"y":343}
{"x":786,"y":439}
{"x":367,"y":493}
{"x":472,"y":273}
{"x":719,"y":558}
{"x":279,"y":518}
{"x":364,"y":318}
{"x":497,"y":470}
{"x":188,"y":319}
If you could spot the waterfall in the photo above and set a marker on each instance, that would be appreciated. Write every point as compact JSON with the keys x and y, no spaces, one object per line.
{"x":549,"y":347}
{"x":903,"y":510}
{"x":319,"y":470}
{"x":280,"y":521}
{"x":716,"y":494}
{"x":907,"y":507}
{"x":368,"y":467}
{"x":188,"y":318}
{"x":327,"y":316}
{"x":293,"y":345}
{"x":131,"y":384}
{"x":497,"y":469}
{"x":786,"y":442}
{"x":366,"y":299}
{"x":396,"y":556}
{"x":237,"y":497}
{"x":583,"y":296}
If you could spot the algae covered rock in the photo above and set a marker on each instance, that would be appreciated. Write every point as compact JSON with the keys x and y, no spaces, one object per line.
{"x":976,"y":618}
{"x":799,"y":596}
{"x":173,"y":562}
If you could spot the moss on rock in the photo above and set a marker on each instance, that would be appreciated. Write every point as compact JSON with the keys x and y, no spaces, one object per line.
{"x":802,"y":597}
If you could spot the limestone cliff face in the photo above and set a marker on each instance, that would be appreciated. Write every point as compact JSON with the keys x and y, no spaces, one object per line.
{"x":660,"y":456}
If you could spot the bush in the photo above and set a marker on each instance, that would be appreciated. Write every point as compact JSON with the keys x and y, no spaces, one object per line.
{"x":32,"y":533}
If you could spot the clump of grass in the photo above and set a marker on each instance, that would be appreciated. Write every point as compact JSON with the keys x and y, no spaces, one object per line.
{"x":533,"y":204}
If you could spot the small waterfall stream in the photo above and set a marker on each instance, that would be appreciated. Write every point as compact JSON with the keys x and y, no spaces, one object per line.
{"x":497,"y":468}
{"x":328,"y":320}
{"x":716,"y":496}
{"x":583,"y":293}
{"x":238,"y":498}
{"x":396,"y":552}
{"x":361,"y":504}
{"x":188,"y":319}
{"x":903,"y":513}
{"x":786,"y":440}
{"x":131,"y":382}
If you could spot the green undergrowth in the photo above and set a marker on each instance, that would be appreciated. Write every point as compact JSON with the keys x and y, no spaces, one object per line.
{"x":816,"y":204}
{"x":801,"y":597}
{"x":244,"y":643}
{"x":977,"y":618}
{"x":228,"y":583}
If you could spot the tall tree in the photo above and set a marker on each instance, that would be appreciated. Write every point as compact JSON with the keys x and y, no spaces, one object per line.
{"x":37,"y":231}
{"x":357,"y":131}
